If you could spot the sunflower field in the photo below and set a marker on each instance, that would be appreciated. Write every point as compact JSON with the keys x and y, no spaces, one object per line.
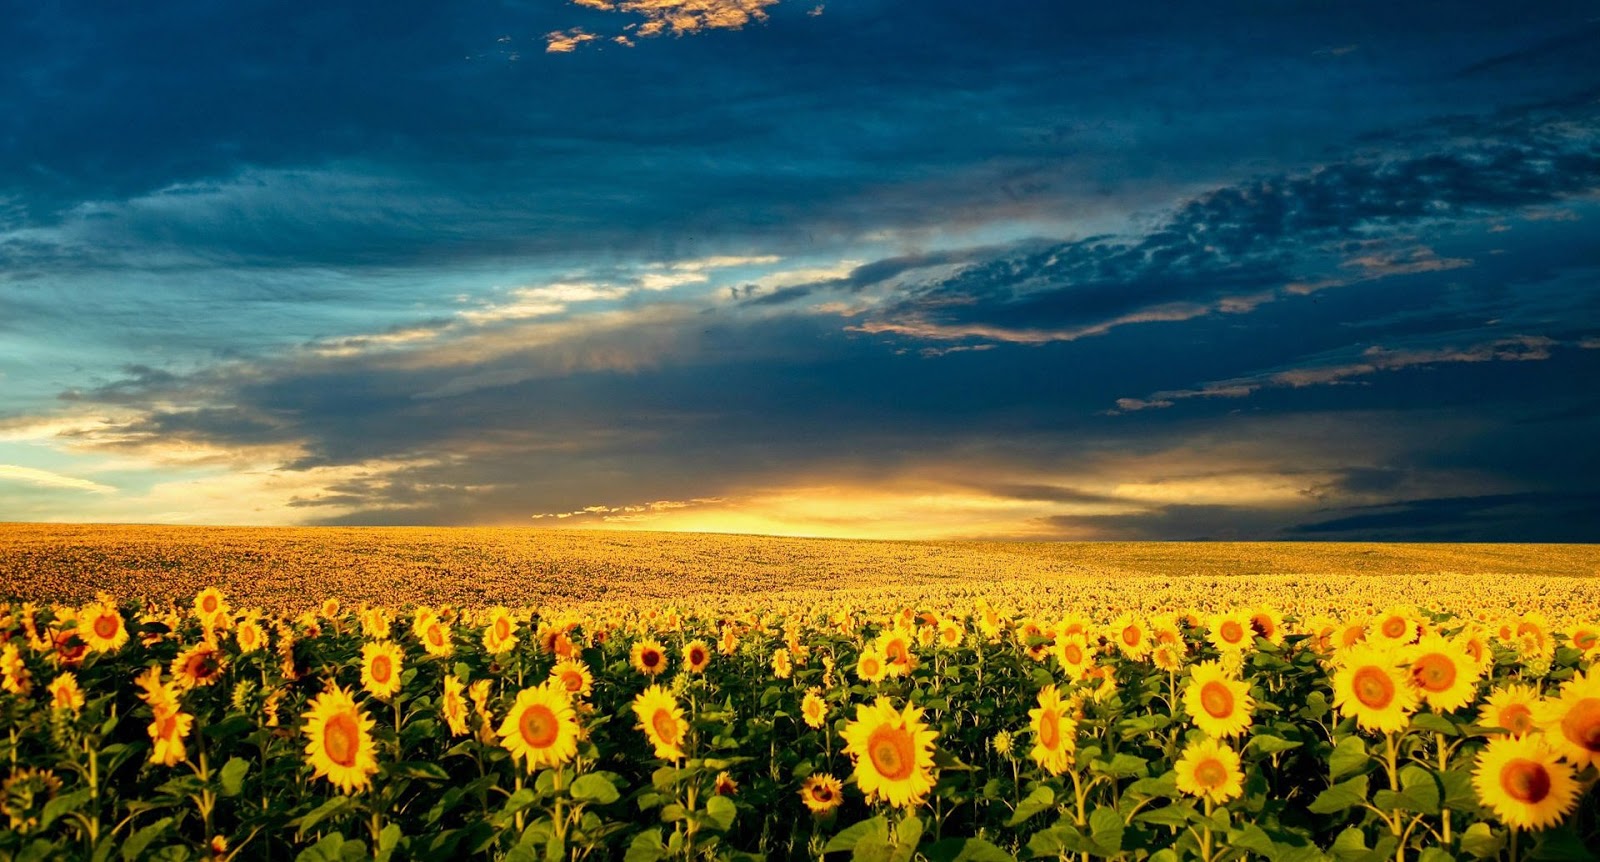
{"x":814,"y":730}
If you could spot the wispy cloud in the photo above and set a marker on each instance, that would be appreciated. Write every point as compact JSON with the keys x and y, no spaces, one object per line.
{"x":47,"y":479}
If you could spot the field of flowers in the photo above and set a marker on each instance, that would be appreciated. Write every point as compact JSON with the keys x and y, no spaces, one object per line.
{"x":989,"y":722}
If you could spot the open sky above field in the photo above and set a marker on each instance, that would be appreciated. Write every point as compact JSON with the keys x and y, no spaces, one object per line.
{"x":870,"y":269}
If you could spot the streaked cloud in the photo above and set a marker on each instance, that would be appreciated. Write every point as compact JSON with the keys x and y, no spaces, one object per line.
{"x":47,"y":479}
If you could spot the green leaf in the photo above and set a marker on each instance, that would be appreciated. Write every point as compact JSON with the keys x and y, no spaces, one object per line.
{"x":1435,"y":854}
{"x":722,"y":810}
{"x":846,"y":839}
{"x":1347,"y":757}
{"x":1340,"y":797}
{"x":388,"y":841}
{"x":907,"y":834}
{"x":1267,"y":744}
{"x":1057,"y":841}
{"x":1164,"y":786}
{"x":966,"y":850}
{"x":231,"y":726}
{"x":1251,"y":838}
{"x":1482,"y":841}
{"x":1040,"y":799}
{"x":233,"y":773}
{"x":1350,"y":846}
{"x":322,"y":812}
{"x":139,"y":840}
{"x":1176,"y":816}
{"x":1120,"y":765}
{"x":63,"y":804}
{"x":417,"y":769}
{"x":1434,"y":723}
{"x":1105,"y":830}
{"x":646,"y":847}
{"x":1561,"y":844}
{"x":1420,"y":791}
{"x":595,"y":788}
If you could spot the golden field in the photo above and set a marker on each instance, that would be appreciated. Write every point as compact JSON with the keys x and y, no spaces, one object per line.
{"x":290,"y":569}
{"x":341,"y":694}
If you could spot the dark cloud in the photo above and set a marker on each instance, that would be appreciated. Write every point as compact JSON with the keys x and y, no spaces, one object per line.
{"x":1526,"y":517}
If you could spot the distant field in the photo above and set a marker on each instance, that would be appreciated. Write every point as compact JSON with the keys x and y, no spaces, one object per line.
{"x":291,"y":568}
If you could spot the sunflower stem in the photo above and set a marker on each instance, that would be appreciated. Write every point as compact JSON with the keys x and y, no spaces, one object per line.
{"x":1444,"y":762}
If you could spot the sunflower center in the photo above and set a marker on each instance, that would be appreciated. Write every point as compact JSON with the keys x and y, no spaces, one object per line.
{"x":209,"y":604}
{"x":869,"y":667}
{"x":105,"y":626}
{"x":1526,"y":781}
{"x":697,"y":656}
{"x":1585,"y":641}
{"x":1434,"y":672}
{"x":538,"y":726}
{"x":572,"y":680}
{"x":435,"y":634}
{"x":666,"y":726}
{"x":1373,"y":687}
{"x":1074,"y":653}
{"x":892,"y":752}
{"x":1394,"y":627}
{"x":1517,"y":718}
{"x":1131,"y":635}
{"x":1050,"y":729}
{"x":1581,"y":724}
{"x":341,"y":737}
{"x":203,"y":666}
{"x":1211,"y":772}
{"x":1261,"y":626}
{"x":650,"y":658}
{"x":167,"y":726}
{"x":1232,"y":632}
{"x":1216,"y":699}
{"x":502,"y":629}
{"x":822,"y":793}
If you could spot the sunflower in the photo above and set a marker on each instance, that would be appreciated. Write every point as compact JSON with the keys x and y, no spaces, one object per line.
{"x":893,"y":752}
{"x":821,"y":793}
{"x":1055,"y":735}
{"x":1442,"y":673}
{"x":1230,"y":632}
{"x":249,"y":636}
{"x":1533,"y":636}
{"x":950,"y":634}
{"x":1350,"y":632}
{"x":1370,"y":686}
{"x":453,"y":706}
{"x":209,"y":605}
{"x":871,"y":666}
{"x":1585,"y":638}
{"x":696,"y":656}
{"x":380,"y":669}
{"x":725,"y":785}
{"x":1511,"y":708}
{"x":1571,"y":722}
{"x":199,"y":665}
{"x":65,"y":693}
{"x":990,"y":622}
{"x":895,"y":647}
{"x":101,"y":627}
{"x":1217,"y":703}
{"x":1072,"y":653}
{"x":1131,"y":637}
{"x":782,"y":667}
{"x":728,"y":641}
{"x":814,"y":709}
{"x":500,"y":634}
{"x":541,"y":729}
{"x":168,"y":730}
{"x":1475,"y":643}
{"x":1398,"y":625}
{"x":14,"y":675}
{"x":1167,"y":656}
{"x":339,"y":741}
{"x":1523,"y":782}
{"x":1210,"y":769}
{"x":662,"y":720}
{"x":435,"y":637}
{"x":574,"y":676}
{"x":1266,"y":622}
{"x":648,"y":657}
{"x":330,"y":608}
{"x":24,"y":795}
{"x":375,"y":623}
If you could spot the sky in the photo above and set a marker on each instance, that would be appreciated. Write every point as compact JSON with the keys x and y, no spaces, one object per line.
{"x":923,"y":269}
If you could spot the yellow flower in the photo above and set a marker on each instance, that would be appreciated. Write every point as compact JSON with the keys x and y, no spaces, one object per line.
{"x":14,"y":675}
{"x":101,"y":627}
{"x":696,"y":656}
{"x":1267,"y":623}
{"x":950,"y":634}
{"x":1210,"y":769}
{"x":453,"y":705}
{"x":814,"y":709}
{"x":574,"y":676}
{"x":339,"y":746}
{"x":1131,"y":637}
{"x":199,"y":665}
{"x":1231,"y":632}
{"x":1442,"y":673}
{"x":375,"y":623}
{"x":1072,"y":653}
{"x":65,"y":693}
{"x":895,"y":647}
{"x":380,"y":669}
{"x":1521,"y":780}
{"x":1511,"y":708}
{"x":821,"y":793}
{"x":500,"y":635}
{"x":541,"y":729}
{"x":648,"y":657}
{"x":250,"y":637}
{"x":210,"y":606}
{"x":1398,"y":626}
{"x":781,"y":666}
{"x":1055,"y":735}
{"x":1217,"y":703}
{"x":1369,"y":685}
{"x":1571,"y":722}
{"x":870,"y":666}
{"x":1585,"y":638}
{"x":662,"y":720}
{"x":893,"y":752}
{"x":435,"y":637}
{"x":168,"y":730}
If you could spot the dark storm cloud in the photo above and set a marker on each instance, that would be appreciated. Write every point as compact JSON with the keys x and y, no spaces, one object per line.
{"x":1530,"y":517}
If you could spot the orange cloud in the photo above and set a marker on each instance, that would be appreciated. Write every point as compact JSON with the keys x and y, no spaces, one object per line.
{"x":680,"y":17}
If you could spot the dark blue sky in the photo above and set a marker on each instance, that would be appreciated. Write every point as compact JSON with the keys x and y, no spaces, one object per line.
{"x":1011,"y":269}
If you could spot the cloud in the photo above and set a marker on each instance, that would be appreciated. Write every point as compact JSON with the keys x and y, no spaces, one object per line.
{"x":678,"y":17}
{"x":47,"y":479}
